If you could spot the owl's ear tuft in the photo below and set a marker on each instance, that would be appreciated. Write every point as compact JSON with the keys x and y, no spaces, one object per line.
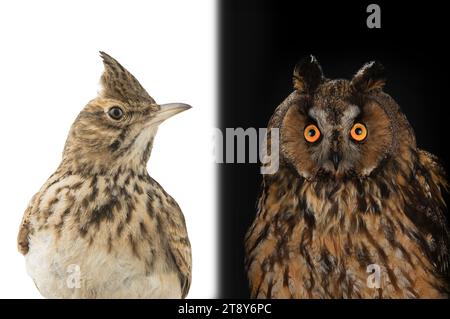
{"x":308,"y":75}
{"x":372,"y":76}
{"x":120,"y":84}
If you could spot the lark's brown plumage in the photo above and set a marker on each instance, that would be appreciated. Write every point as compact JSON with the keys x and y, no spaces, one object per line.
{"x":320,"y":225}
{"x":101,"y":210}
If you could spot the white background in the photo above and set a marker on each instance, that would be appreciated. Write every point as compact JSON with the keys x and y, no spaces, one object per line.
{"x":50,"y":68}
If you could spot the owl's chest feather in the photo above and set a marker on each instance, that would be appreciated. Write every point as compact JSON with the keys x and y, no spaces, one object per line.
{"x":346,"y":240}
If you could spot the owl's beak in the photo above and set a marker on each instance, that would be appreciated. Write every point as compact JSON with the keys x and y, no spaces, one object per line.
{"x":168,"y":110}
{"x":335,"y":157}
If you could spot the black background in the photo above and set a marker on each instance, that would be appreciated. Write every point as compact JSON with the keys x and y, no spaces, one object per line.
{"x":260,"y":42}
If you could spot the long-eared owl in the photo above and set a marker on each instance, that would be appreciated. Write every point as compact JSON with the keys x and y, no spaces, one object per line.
{"x":355,"y":209}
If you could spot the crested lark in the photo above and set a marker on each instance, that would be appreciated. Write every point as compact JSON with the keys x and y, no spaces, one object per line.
{"x":101,"y":227}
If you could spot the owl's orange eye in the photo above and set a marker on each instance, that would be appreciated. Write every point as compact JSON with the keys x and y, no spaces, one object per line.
{"x":358,"y":132}
{"x":311,"y":133}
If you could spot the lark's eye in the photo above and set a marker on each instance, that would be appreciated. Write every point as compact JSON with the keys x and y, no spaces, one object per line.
{"x":358,"y":132}
{"x":115,"y":113}
{"x":311,"y":133}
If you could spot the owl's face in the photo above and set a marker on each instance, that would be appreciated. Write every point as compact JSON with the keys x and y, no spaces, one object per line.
{"x":336,"y":128}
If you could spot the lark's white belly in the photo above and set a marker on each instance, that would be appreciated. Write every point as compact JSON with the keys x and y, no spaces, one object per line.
{"x":77,"y":270}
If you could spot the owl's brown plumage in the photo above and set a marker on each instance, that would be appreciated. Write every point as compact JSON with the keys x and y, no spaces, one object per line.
{"x":361,"y":194}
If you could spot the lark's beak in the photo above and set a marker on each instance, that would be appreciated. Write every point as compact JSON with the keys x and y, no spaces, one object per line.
{"x":169,"y":110}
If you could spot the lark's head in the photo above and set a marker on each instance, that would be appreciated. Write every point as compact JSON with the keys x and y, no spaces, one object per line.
{"x":117,"y":127}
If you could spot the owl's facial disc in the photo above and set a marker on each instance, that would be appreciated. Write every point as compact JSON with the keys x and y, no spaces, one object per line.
{"x":336,"y":138}
{"x":336,"y":127}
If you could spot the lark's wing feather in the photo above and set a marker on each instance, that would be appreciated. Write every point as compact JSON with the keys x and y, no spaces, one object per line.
{"x":174,"y":227}
{"x":174,"y":232}
{"x":24,"y":230}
